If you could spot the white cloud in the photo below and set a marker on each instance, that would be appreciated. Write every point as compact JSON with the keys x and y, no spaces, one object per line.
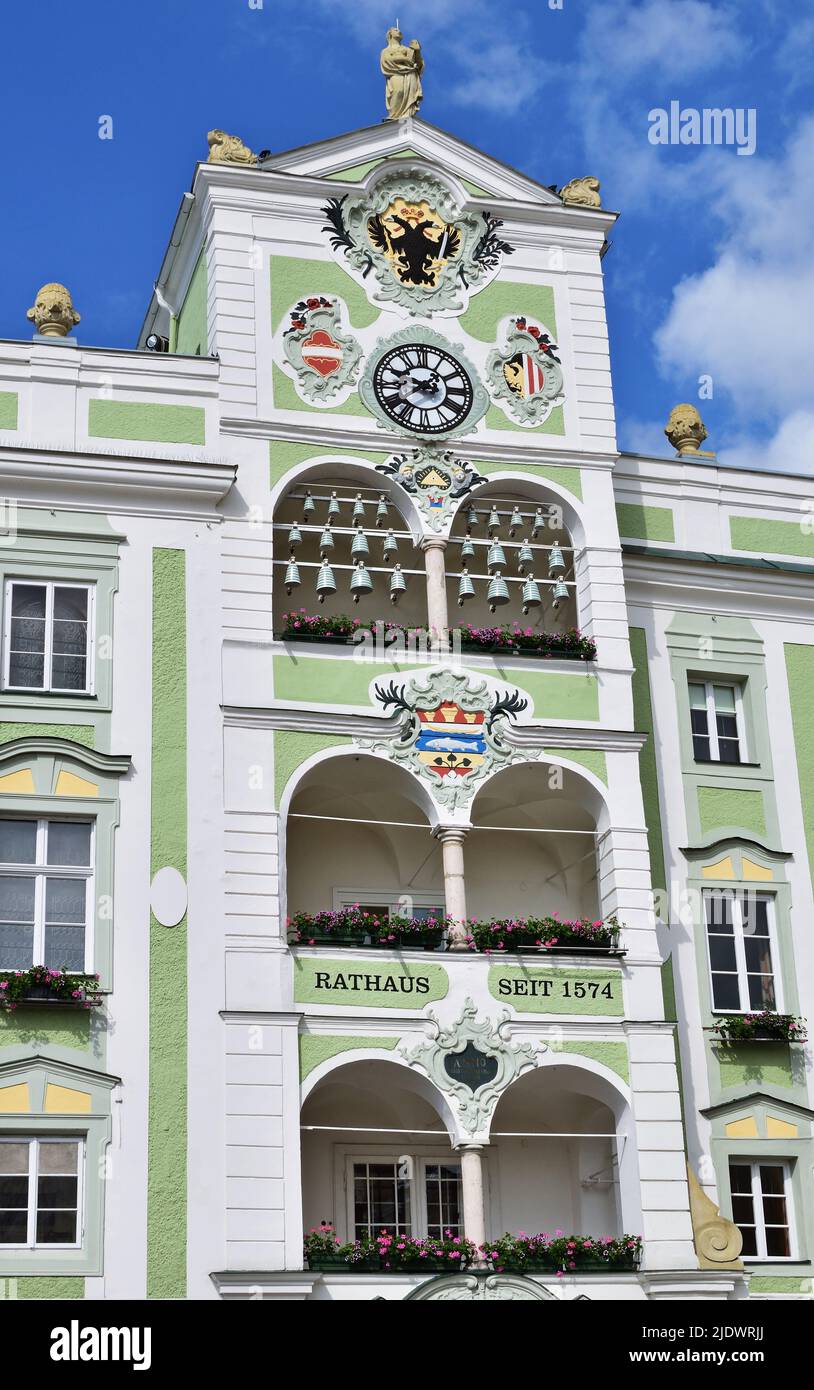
{"x":642,"y":436}
{"x":684,"y":37}
{"x":789,"y":450}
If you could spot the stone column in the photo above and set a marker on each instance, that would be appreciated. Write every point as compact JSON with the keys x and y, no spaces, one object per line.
{"x":452,"y":849}
{"x":474,"y":1213}
{"x":437,"y":619}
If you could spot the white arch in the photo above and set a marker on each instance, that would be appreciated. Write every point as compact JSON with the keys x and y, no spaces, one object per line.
{"x":601,"y":812}
{"x":359,"y":470}
{"x":419,"y":1084}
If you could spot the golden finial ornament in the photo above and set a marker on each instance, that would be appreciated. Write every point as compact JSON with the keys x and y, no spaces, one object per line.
{"x":52,"y":312}
{"x":685,"y":429}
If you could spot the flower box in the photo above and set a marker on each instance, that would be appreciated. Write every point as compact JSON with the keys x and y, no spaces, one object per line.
{"x":760,"y":1027}
{"x":352,"y":927}
{"x":560,"y":1254}
{"x":301,"y":626}
{"x":545,"y":935}
{"x":387,"y":1253}
{"x":42,"y":987}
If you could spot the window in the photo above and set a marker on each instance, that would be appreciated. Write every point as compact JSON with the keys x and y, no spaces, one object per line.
{"x":48,"y":637}
{"x":761,"y":1208}
{"x":46,"y":892}
{"x":406,"y":1195}
{"x":742,"y":947}
{"x":39,"y":1192}
{"x":420,"y":906}
{"x":716,"y":715}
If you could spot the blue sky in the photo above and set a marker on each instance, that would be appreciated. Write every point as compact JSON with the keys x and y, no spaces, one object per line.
{"x":711,"y":272}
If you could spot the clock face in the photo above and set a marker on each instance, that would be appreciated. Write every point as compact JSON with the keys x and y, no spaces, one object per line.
{"x":423,"y":388}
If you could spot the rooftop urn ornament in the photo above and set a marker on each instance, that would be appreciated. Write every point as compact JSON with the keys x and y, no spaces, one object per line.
{"x":498,"y":592}
{"x":228,"y":149}
{"x":685,"y":429}
{"x":402,"y":66}
{"x":326,"y":584}
{"x":52,"y":312}
{"x":531,"y":594}
{"x":582,"y":193}
{"x":361,"y":583}
{"x":397,"y":584}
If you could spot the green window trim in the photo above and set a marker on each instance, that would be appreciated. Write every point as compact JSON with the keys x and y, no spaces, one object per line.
{"x":94,"y":1128}
{"x":64,"y":557}
{"x":46,"y":758}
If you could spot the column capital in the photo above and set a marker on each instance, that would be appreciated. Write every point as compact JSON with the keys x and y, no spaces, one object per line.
{"x":434,"y":543}
{"x":451,"y":834}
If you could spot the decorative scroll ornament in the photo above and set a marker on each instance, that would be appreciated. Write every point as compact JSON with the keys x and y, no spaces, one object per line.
{"x":582,"y":193}
{"x":435,"y":481}
{"x":526,"y":377}
{"x":451,"y":733}
{"x":324,"y":358}
{"x":483,"y":1288}
{"x":718,"y":1242}
{"x":426,"y":253}
{"x":228,"y":149}
{"x":481,"y":1049}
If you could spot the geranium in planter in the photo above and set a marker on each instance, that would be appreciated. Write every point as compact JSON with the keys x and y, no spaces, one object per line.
{"x":416,"y":1254}
{"x":561,"y":1254}
{"x":761,"y":1027}
{"x":323,"y":1249}
{"x":354,"y":926}
{"x":42,"y":985}
{"x":545,"y":934}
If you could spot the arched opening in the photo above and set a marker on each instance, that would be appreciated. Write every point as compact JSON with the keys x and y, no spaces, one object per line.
{"x":554,"y":1155}
{"x":376,"y":1153}
{"x":330,"y":518}
{"x":532,"y":848}
{"x":358,"y":832}
{"x":528,"y":525}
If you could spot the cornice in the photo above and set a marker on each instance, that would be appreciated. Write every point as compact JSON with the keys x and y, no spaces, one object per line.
{"x":115,"y":481}
{"x":346,"y":436}
{"x":355,"y":725}
{"x":110,"y":764}
{"x":731,"y":588}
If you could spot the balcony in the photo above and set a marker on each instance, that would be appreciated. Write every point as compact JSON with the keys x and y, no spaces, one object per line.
{"x":382,"y":928}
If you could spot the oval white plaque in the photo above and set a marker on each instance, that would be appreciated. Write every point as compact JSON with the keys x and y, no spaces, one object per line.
{"x":168,"y":897}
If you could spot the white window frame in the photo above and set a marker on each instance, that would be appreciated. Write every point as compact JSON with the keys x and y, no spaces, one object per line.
{"x":734,"y":896}
{"x":754,"y":1164}
{"x":34,"y":1141}
{"x":418,"y":1182}
{"x":712,"y":723}
{"x":389,"y":897}
{"x":40,"y":871}
{"x":47,"y":688}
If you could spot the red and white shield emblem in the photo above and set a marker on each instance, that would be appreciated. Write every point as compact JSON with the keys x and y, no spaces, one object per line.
{"x":532,"y":375}
{"x":322,"y":352}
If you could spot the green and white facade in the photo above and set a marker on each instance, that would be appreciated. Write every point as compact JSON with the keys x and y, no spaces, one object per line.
{"x":234,"y":1089}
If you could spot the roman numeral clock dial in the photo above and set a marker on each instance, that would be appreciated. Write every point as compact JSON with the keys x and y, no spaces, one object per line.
{"x":423,"y":388}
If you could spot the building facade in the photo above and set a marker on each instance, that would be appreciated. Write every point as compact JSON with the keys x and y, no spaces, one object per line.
{"x":448,"y":918}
